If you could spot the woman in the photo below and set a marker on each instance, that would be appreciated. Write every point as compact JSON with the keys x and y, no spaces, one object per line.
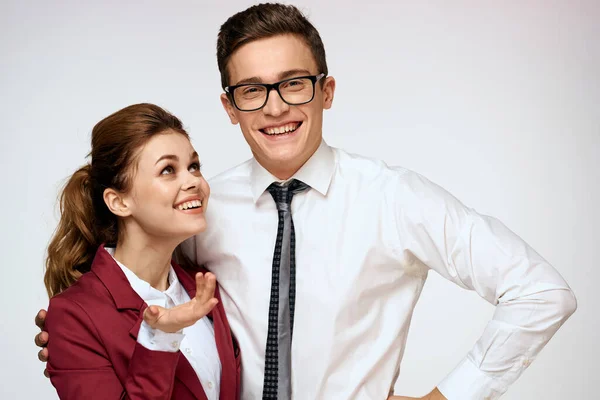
{"x":135,"y":325}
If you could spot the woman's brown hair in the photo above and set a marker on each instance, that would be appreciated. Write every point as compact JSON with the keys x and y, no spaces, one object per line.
{"x":85,"y":220}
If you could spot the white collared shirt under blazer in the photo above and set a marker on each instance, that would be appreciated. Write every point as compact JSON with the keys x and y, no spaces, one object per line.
{"x":366,"y":237}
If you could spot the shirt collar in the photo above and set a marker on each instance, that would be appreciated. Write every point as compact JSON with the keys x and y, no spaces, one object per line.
{"x":147,"y":292}
{"x":317,"y":172}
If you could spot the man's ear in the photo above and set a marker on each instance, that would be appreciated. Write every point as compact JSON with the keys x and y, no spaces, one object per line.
{"x":328,"y":92}
{"x":229,"y":108}
{"x":116,"y":203}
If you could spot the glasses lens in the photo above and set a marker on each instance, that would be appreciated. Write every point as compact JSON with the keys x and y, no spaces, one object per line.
{"x":250,"y":97}
{"x":297,"y":91}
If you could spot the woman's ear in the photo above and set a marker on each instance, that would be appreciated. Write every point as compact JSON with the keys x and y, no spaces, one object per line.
{"x":116,"y":203}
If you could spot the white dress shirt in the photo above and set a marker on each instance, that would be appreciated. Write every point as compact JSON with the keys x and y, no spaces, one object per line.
{"x":366,"y":236}
{"x":197,"y":342}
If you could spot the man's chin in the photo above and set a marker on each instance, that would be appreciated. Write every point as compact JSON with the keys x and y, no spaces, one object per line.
{"x":285,"y":156}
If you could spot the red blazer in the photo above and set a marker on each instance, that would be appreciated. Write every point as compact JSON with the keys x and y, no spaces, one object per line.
{"x":93,"y":327}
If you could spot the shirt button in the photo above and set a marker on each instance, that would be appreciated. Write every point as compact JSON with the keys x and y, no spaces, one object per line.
{"x":174,"y":344}
{"x":188,"y":350}
{"x":527,"y":362}
{"x":210,"y":385}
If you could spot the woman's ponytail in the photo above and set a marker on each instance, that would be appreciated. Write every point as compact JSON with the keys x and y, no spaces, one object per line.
{"x":74,"y":242}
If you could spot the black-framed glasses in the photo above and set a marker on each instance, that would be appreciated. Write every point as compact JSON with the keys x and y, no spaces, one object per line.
{"x":293,"y":91}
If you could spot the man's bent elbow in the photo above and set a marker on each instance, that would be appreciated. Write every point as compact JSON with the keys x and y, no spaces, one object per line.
{"x":565,"y":304}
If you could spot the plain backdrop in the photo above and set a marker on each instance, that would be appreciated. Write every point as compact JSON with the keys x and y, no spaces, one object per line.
{"x":498,"y":102}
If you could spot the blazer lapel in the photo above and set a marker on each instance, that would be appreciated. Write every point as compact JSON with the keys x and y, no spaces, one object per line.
{"x":186,"y":375}
{"x":110,"y":274}
{"x":135,"y":329}
{"x":126,"y":299}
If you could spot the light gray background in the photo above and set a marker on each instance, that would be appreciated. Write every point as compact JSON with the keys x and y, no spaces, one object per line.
{"x":498,"y":102}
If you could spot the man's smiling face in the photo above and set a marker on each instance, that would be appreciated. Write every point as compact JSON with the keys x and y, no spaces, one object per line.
{"x":282,"y":137}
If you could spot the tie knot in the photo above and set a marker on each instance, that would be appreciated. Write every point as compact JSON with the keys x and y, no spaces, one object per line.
{"x":282,"y":194}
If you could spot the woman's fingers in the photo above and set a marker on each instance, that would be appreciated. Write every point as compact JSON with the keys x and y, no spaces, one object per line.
{"x":205,"y":287}
{"x":203,"y":309}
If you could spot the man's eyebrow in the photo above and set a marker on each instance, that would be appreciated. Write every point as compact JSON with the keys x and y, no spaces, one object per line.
{"x":254,"y":79}
{"x":281,"y":76}
{"x":294,"y":72}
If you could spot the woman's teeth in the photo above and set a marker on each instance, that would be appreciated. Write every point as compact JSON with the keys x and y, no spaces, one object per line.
{"x":279,"y":130}
{"x":190,"y":204}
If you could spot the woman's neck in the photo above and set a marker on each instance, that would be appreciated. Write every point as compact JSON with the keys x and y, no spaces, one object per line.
{"x":149,"y":260}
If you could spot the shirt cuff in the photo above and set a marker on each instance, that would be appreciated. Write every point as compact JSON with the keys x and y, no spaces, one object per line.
{"x":467,"y":382}
{"x":157,"y":340}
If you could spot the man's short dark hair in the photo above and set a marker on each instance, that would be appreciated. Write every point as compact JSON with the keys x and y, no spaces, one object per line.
{"x":263,"y":21}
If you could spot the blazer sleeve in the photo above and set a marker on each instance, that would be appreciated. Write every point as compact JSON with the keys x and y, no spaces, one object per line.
{"x":80,"y":368}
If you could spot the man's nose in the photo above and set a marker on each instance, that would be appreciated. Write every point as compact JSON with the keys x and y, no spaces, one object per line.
{"x":275,"y":105}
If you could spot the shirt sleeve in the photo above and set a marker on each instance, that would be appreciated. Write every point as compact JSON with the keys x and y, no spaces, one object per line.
{"x":157,"y":340}
{"x":479,"y":253}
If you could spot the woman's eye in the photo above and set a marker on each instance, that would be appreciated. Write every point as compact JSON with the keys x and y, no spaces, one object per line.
{"x":167,"y":170}
{"x":194,"y":167}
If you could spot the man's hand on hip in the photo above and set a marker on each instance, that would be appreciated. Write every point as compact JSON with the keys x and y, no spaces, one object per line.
{"x":434,"y":395}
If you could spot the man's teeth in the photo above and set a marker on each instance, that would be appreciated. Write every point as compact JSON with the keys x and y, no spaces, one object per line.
{"x":189,"y":204}
{"x":281,"y":129}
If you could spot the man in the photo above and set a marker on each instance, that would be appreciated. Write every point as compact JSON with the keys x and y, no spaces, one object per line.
{"x":331,"y":249}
